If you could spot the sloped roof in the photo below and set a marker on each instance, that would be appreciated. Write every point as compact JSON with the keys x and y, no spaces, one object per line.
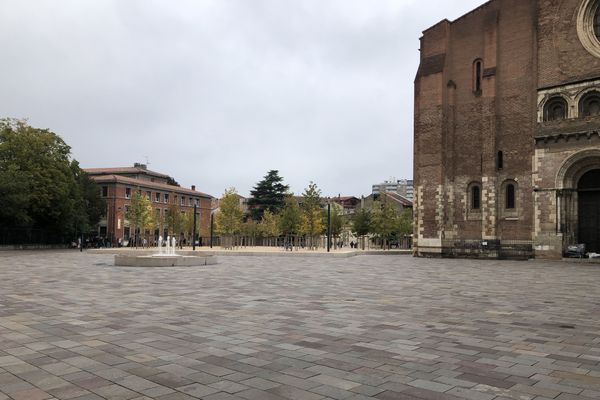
{"x":147,"y":184}
{"x":400,"y":199}
{"x":123,"y":170}
{"x":344,"y":198}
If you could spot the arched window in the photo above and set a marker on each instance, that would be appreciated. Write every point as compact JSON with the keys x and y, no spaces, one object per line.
{"x":510,"y":197}
{"x":475,"y":197}
{"x":477,"y":76}
{"x":589,"y":106}
{"x":500,"y":160}
{"x":555,"y":109}
{"x":597,"y":23}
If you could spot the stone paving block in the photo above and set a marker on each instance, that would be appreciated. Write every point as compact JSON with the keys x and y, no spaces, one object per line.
{"x":198,"y":390}
{"x":332,"y":392}
{"x":367,"y":390}
{"x":293,"y":393}
{"x":30,"y":394}
{"x":135,"y":383}
{"x":68,"y":392}
{"x":429,"y":385}
{"x":115,"y":392}
{"x":260,"y":383}
{"x":222,"y":396}
{"x":89,"y":397}
{"x":176,"y":396}
{"x":255,"y":394}
{"x":228,"y":386}
{"x":335,"y":382}
{"x":391,"y":395}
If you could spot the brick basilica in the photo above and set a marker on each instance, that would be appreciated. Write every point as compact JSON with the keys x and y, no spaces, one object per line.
{"x":507,"y":120}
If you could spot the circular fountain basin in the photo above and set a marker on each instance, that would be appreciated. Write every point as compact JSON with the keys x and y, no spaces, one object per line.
{"x":163,"y":260}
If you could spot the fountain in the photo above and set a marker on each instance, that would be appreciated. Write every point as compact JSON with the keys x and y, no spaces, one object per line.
{"x":165,"y":257}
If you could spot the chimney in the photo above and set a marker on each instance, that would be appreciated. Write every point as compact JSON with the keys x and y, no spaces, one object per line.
{"x":140,"y":165}
{"x":194,"y":187}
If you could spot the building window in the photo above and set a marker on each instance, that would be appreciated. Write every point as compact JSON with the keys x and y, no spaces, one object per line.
{"x":197,"y":202}
{"x":588,"y":26}
{"x":166,"y":198}
{"x":477,"y":76}
{"x":500,"y":160}
{"x":157,"y":197}
{"x":589,"y":106}
{"x":474,"y":201}
{"x":104,"y":191}
{"x":475,"y":197}
{"x":127,"y":193}
{"x":149,"y":195}
{"x":182,"y":202}
{"x":555,"y":109}
{"x":510,"y":197}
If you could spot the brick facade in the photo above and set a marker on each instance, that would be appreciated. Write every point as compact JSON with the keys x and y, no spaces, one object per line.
{"x":480,"y":93}
{"x":117,"y":185}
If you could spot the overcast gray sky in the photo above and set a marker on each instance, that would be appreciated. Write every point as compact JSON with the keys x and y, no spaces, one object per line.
{"x":218,"y":92}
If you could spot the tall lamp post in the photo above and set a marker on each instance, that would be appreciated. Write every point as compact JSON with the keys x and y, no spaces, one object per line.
{"x":211,"y":229}
{"x":194,"y":232}
{"x":328,"y":225}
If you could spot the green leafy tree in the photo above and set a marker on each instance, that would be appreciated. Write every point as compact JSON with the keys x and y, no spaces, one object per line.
{"x":268,"y":194}
{"x":269,"y":226}
{"x":175,"y":221}
{"x":188,"y":225}
{"x":312,"y":223}
{"x":14,"y":197}
{"x":171,"y":181}
{"x":384,"y":221}
{"x":336,"y":222}
{"x":250,"y":229}
{"x":404,"y":223}
{"x":140,"y":215}
{"x":90,"y":207}
{"x":361,"y":225}
{"x":229,"y":217}
{"x":290,"y":216}
{"x":42,"y":187}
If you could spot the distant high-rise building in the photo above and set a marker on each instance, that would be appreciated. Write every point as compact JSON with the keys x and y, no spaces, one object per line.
{"x":403,"y":187}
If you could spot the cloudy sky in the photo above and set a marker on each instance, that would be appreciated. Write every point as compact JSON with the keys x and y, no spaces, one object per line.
{"x":218,"y":92}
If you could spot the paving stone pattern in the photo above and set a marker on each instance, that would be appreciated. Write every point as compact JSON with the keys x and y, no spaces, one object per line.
{"x":72,"y":326}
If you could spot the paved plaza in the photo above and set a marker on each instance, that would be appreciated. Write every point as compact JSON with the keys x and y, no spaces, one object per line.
{"x":72,"y":326}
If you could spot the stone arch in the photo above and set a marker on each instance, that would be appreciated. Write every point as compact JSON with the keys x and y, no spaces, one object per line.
{"x":575,"y":166}
{"x":591,"y":96}
{"x":556,"y":108}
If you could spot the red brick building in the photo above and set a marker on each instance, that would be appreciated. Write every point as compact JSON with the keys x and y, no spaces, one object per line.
{"x":507,"y":113}
{"x":117,"y":186}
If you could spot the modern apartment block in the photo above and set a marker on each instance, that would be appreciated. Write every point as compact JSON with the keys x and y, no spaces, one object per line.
{"x":403,"y":187}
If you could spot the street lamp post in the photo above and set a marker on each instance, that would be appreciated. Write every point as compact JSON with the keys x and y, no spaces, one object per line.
{"x":194,"y":233}
{"x":328,"y":226}
{"x":211,"y":229}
